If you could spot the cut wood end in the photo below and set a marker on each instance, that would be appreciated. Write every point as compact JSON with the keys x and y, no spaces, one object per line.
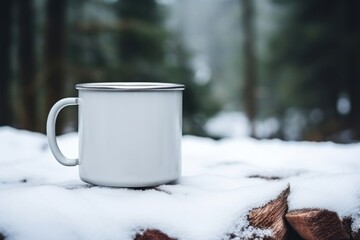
{"x":271,"y":216}
{"x":313,"y":224}
{"x":152,"y":234}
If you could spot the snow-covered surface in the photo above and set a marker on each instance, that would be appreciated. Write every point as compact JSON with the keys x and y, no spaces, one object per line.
{"x":41,"y":199}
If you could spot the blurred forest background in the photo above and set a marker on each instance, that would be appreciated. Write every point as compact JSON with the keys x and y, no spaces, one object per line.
{"x":285,"y":69}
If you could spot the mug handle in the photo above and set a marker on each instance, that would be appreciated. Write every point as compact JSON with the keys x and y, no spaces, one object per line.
{"x":50,"y":130}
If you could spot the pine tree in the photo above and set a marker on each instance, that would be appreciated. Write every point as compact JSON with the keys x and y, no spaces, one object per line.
{"x":141,"y":38}
{"x":316,"y":61}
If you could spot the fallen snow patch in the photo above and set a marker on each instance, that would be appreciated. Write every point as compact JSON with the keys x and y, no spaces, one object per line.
{"x":222,"y":181}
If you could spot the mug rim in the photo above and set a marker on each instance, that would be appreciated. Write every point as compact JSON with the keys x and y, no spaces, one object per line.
{"x":129,"y":86}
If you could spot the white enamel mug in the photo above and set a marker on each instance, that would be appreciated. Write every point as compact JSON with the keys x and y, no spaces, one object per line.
{"x":129,"y":133}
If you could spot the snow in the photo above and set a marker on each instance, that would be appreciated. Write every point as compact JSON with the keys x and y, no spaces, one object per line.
{"x":228,"y":124}
{"x":41,"y":199}
{"x":236,"y":124}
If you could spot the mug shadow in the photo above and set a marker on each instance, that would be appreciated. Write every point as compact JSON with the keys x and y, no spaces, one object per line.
{"x":78,"y":186}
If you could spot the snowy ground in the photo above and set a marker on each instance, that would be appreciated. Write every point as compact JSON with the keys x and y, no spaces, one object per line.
{"x":41,"y":199}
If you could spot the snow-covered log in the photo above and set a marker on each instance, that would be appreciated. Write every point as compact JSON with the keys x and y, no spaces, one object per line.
{"x":271,"y":216}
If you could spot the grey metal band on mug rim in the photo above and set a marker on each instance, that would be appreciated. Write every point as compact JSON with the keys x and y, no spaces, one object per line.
{"x":129,"y":86}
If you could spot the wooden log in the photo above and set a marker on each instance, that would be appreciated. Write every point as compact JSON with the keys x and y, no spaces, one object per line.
{"x":317,"y":224}
{"x":152,"y":234}
{"x":272,"y":216}
{"x":347,"y":224}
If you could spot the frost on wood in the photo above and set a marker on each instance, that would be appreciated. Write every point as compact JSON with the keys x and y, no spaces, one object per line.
{"x":314,"y":224}
{"x":271,"y":216}
{"x":266,"y":222}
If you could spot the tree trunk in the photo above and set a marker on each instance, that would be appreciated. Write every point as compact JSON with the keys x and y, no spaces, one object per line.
{"x":5,"y":42}
{"x":54,"y":56}
{"x":249,"y":62}
{"x":352,"y":8}
{"x":26,"y":58}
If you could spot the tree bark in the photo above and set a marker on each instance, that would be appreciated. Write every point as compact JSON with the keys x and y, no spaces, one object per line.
{"x":249,"y":62}
{"x":54,"y":56}
{"x":5,"y":59}
{"x":26,"y":58}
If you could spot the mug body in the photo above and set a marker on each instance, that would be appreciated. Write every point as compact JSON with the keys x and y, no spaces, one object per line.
{"x":129,"y":138}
